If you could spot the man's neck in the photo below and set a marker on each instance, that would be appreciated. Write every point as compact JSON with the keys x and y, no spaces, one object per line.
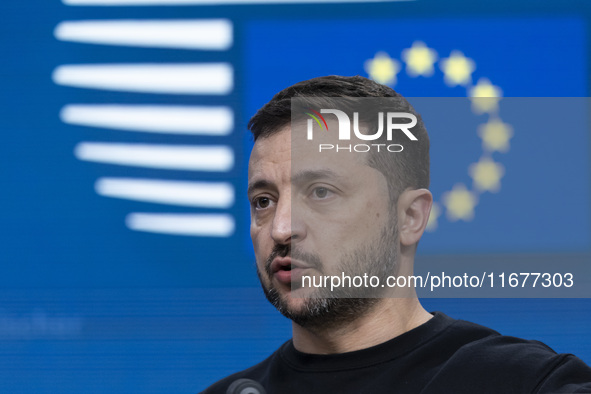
{"x":388,"y":319}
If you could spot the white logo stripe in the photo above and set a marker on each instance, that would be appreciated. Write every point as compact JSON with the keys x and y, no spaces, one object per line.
{"x":178,"y":157}
{"x":218,"y":121}
{"x":214,"y":78}
{"x":201,"y":225}
{"x":215,"y":34}
{"x":191,"y":194}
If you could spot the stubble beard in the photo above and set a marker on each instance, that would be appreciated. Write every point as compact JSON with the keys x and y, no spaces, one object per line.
{"x":325,"y":309}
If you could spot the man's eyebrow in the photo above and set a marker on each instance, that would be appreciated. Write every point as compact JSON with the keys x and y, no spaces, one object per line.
{"x":312,"y":175}
{"x":299,"y":178}
{"x":260,"y":184}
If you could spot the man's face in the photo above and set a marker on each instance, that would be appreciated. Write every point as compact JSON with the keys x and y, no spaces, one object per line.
{"x":317,"y":214}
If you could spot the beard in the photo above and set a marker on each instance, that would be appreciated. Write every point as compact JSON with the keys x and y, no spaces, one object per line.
{"x":326,"y":309}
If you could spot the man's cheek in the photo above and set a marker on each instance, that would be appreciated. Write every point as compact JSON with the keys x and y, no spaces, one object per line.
{"x":254,"y":229}
{"x":255,"y":232}
{"x":260,"y":252}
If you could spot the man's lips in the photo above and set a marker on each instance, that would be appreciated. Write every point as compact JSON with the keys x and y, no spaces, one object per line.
{"x":286,"y":270}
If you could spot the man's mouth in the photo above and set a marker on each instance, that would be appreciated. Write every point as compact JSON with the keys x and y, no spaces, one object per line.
{"x":285,"y":270}
{"x":281,"y":264}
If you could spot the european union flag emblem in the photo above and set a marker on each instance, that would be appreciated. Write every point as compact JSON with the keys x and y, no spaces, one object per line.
{"x":504,"y":161}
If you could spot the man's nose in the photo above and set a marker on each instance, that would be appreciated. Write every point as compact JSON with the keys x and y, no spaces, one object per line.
{"x":281,"y":230}
{"x":286,"y":229}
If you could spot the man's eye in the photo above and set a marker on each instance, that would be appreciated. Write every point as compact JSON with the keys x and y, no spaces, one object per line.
{"x":262,"y":202}
{"x":321,"y":192}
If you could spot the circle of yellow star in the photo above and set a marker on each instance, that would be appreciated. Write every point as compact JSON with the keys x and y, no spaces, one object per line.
{"x":382,"y":68}
{"x":419,"y":59}
{"x":460,"y":203}
{"x":495,"y":136}
{"x":457,"y":69}
{"x":487,"y":174}
{"x":485,"y":96}
{"x":433,"y":216}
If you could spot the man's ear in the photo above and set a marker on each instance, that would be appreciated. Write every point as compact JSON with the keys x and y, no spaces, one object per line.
{"x":414,"y":206}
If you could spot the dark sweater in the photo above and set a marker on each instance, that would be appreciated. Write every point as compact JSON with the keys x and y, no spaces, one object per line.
{"x":441,"y":356}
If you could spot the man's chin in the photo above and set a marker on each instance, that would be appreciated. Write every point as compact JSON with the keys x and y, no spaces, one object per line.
{"x":314,"y":312}
{"x":293,"y":300}
{"x":290,"y":302}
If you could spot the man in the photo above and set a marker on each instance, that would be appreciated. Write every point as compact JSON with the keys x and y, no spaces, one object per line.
{"x":327,"y":205}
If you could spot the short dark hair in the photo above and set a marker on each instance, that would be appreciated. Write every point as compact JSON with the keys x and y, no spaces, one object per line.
{"x":409,"y":169}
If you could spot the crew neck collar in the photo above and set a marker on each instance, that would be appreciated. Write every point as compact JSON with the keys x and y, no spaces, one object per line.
{"x":383,"y":352}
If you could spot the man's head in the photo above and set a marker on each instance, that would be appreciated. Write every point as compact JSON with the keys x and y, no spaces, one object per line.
{"x":331,"y":214}
{"x":408,"y":170}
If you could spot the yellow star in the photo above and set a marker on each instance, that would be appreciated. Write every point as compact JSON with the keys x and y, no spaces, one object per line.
{"x":382,"y":68}
{"x":419,"y":59}
{"x":495,"y":136}
{"x":460,"y":203}
{"x":433,"y":216}
{"x":457,"y":69}
{"x":487,"y":175}
{"x":485,"y":96}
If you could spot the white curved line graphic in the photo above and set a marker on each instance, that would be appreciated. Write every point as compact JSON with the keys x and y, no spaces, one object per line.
{"x":200,"y":225}
{"x":184,"y":193}
{"x":167,"y":119}
{"x":214,"y":34}
{"x":183,"y":78}
{"x":170,"y":157}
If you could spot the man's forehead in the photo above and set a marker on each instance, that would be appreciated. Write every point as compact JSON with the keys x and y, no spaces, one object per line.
{"x":280,"y":160}
{"x":278,"y":141}
{"x":270,"y":150}
{"x":289,"y":144}
{"x":270,"y":160}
